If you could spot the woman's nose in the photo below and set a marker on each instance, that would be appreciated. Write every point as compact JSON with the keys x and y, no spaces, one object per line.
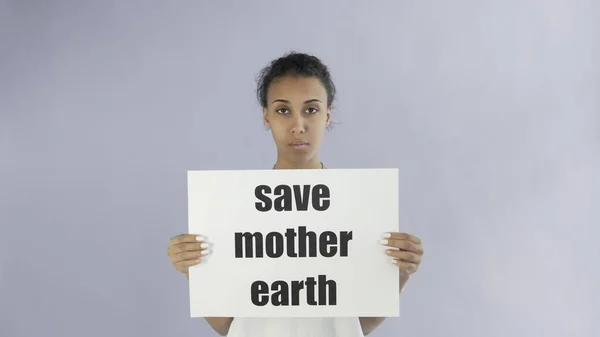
{"x":298,"y":125}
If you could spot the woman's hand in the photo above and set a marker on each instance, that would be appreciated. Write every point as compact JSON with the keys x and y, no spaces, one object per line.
{"x":406,"y":251}
{"x":187,"y":250}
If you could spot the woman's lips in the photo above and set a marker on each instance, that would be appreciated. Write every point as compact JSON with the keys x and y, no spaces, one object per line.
{"x":298,"y":144}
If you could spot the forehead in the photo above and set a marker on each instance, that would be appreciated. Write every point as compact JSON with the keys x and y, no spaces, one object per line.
{"x":297,"y":88}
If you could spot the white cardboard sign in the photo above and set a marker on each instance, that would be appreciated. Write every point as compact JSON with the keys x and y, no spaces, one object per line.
{"x":294,"y":243}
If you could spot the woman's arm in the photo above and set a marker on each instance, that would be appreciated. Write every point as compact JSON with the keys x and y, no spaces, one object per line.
{"x":368,"y":324}
{"x":219,"y":324}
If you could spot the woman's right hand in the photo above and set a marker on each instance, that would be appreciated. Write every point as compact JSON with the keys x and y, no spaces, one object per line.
{"x":187,"y":250}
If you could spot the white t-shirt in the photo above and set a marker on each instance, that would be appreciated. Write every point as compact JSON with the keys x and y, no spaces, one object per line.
{"x":295,"y":327}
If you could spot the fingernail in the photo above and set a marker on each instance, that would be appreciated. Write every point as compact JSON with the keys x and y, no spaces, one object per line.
{"x":386,"y":235}
{"x":384,"y":242}
{"x":200,"y":238}
{"x":205,"y":252}
{"x":394,"y":261}
{"x":205,"y":245}
{"x":388,"y":251}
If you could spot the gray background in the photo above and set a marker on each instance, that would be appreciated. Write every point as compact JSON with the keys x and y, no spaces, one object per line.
{"x":490,"y":109}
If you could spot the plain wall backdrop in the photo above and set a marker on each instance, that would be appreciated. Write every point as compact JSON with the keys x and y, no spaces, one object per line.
{"x":490,"y":109}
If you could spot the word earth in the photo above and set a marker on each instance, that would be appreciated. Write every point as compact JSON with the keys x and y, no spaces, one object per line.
{"x":284,"y":292}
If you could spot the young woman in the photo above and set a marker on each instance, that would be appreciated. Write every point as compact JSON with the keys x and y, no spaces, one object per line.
{"x":296,"y":93}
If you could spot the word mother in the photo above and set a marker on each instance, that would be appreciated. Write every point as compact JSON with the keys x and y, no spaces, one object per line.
{"x":297,"y":244}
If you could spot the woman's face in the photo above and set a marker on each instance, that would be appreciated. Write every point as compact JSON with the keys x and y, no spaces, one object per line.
{"x":297,"y":115}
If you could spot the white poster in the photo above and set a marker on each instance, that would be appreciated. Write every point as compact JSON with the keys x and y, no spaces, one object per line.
{"x":294,"y":243}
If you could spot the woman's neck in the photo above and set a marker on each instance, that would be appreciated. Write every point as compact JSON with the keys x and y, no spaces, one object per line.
{"x":283,"y":164}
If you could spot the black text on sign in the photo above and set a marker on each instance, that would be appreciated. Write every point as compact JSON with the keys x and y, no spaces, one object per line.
{"x":282,"y":293}
{"x":302,"y":243}
{"x":287,"y":196}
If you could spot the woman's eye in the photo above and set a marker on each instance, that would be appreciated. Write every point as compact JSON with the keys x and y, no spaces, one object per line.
{"x":282,"y":110}
{"x":312,"y":110}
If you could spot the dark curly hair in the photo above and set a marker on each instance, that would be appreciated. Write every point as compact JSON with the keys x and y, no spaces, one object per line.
{"x":294,"y":64}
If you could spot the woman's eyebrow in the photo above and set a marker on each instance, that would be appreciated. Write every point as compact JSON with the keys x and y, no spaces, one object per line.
{"x":286,"y":101}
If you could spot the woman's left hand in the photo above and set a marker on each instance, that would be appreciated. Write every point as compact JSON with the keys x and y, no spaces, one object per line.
{"x":406,"y":251}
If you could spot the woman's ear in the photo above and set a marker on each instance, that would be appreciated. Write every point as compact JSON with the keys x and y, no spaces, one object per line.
{"x":266,"y":118}
{"x":328,"y":120}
